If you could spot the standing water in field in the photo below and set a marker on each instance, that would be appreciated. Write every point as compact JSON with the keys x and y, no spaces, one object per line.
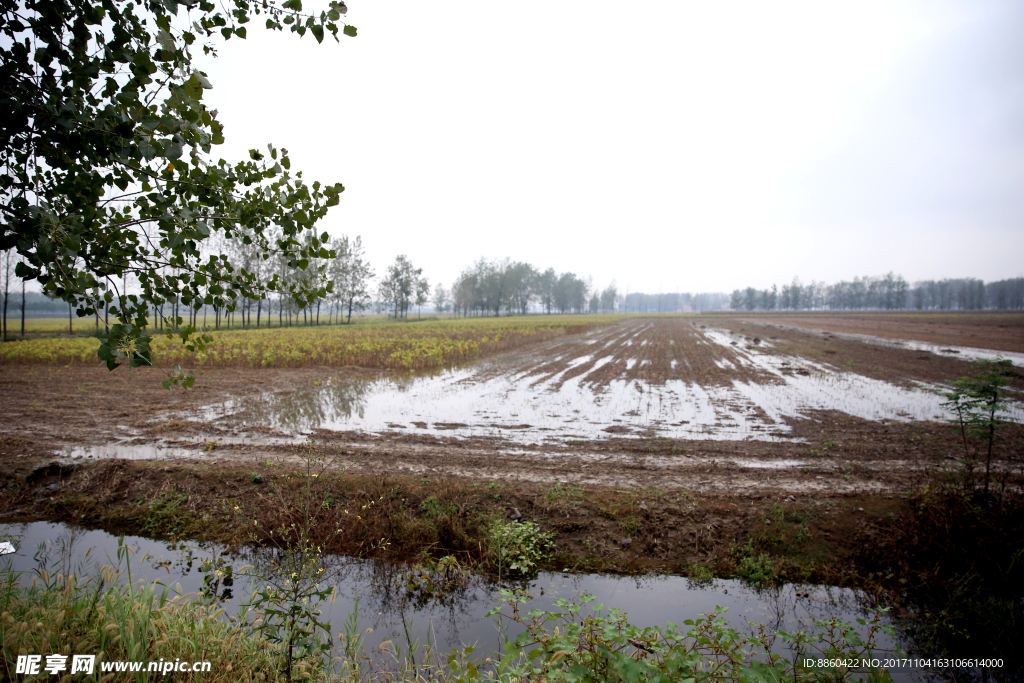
{"x":702,"y":384}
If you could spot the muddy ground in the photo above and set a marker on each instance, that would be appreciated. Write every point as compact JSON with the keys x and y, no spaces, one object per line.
{"x":999,"y":331}
{"x":637,"y":488}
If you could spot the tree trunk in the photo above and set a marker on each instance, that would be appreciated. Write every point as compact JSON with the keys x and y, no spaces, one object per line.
{"x":6,"y":297}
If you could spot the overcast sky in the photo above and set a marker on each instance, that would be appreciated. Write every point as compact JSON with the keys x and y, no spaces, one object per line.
{"x":672,"y":146}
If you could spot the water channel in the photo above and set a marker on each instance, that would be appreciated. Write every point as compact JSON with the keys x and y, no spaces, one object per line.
{"x":386,"y":612}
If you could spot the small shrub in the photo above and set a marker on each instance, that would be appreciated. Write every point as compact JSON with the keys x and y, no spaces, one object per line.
{"x":757,"y":569}
{"x":518,"y":547}
{"x":979,"y":404}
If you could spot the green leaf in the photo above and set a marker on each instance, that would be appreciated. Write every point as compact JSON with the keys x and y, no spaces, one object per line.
{"x":166,"y":40}
{"x":349,"y":30}
{"x":318,"y":32}
{"x":173,"y":149}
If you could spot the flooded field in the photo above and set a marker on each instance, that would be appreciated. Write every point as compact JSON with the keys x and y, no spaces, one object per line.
{"x":670,"y":379}
{"x":702,"y":403}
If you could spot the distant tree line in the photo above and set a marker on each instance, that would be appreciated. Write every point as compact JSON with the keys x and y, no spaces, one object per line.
{"x":344,"y":278}
{"x":886,"y":292}
{"x":507,"y":287}
{"x":674,"y":302}
{"x":513,"y":288}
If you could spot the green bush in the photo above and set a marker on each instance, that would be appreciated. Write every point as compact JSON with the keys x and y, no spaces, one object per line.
{"x":757,"y":569}
{"x":518,"y":547}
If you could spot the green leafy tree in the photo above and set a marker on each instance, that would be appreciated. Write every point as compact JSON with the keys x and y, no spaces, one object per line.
{"x":403,"y":286}
{"x":108,"y":177}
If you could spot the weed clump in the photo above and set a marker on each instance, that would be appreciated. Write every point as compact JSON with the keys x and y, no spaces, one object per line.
{"x":433,"y":508}
{"x":757,"y":569}
{"x":64,"y":612}
{"x":569,"y":644}
{"x":518,"y":547}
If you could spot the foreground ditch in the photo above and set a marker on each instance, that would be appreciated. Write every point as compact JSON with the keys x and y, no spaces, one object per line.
{"x":945,"y":556}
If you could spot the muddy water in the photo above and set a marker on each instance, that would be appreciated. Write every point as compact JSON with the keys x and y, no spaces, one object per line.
{"x":369,"y":589}
{"x":637,"y":379}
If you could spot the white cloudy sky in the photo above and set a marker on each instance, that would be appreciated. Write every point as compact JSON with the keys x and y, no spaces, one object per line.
{"x":672,"y":146}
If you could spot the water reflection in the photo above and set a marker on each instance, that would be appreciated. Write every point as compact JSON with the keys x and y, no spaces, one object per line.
{"x":378,"y":595}
{"x":305,"y":407}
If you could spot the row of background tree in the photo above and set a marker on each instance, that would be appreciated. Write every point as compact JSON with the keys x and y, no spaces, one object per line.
{"x":499,"y":287}
{"x":887,"y":292}
{"x":506,"y":287}
{"x":517,"y":288}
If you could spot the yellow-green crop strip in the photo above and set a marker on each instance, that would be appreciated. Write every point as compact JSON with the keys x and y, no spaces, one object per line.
{"x":400,"y":346}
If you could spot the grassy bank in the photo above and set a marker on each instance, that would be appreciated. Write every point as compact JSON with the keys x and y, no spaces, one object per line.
{"x":405,"y":518}
{"x":857,"y":540}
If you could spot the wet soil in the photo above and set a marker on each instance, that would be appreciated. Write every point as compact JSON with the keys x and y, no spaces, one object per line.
{"x":678,"y":501}
{"x":999,"y":331}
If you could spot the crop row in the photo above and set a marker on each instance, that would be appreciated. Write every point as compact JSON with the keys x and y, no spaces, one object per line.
{"x":399,"y":346}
